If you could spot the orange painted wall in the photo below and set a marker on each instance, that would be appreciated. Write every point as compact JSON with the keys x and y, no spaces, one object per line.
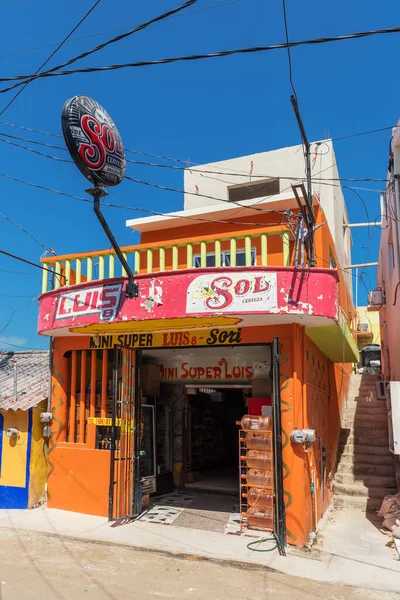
{"x":311,"y":397}
{"x":80,"y":480}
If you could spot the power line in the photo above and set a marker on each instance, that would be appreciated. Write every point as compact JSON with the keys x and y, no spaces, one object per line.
{"x":288,"y":48}
{"x":114,"y":40}
{"x":28,"y":262}
{"x":352,"y":135}
{"x":90,"y":35}
{"x":135,"y":209}
{"x":25,"y":231}
{"x":57,"y":135}
{"x":50,"y":57}
{"x":64,"y":160}
{"x":16,"y":272}
{"x":195,"y":169}
{"x":55,"y":72}
{"x":15,"y":311}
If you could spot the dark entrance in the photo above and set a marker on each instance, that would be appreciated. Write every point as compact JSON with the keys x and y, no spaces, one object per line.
{"x":213,"y":443}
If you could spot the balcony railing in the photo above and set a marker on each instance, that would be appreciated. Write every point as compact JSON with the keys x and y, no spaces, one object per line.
{"x":245,"y":249}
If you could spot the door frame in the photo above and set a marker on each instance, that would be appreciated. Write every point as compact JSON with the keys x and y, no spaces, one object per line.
{"x":279,"y":501}
{"x":132,"y":422}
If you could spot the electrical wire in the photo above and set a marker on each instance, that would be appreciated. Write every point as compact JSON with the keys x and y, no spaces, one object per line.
{"x":16,"y":272}
{"x":135,"y":209}
{"x":26,"y":232}
{"x":64,"y":160}
{"x":15,"y":311}
{"x":60,"y":45}
{"x":196,"y":170}
{"x":114,"y":40}
{"x":28,"y":262}
{"x":193,"y":57}
{"x":57,"y":135}
{"x":288,"y":48}
{"x":90,"y":35}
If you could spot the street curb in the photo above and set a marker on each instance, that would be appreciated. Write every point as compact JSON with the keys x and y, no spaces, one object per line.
{"x":171,"y":553}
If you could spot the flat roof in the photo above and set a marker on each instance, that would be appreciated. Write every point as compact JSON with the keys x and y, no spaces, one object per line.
{"x":215,"y":212}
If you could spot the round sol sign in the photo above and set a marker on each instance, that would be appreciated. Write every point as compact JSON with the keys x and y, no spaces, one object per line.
{"x":93,"y":141}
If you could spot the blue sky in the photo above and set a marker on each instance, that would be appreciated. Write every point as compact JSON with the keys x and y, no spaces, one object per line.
{"x":203,"y":111}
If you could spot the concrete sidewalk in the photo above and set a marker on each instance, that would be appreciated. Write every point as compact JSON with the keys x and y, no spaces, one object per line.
{"x":354,"y":552}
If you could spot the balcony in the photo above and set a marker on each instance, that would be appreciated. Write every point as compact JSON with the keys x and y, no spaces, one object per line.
{"x":242,"y":250}
{"x":230,"y":280}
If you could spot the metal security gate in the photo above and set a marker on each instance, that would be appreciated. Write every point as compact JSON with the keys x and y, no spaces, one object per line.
{"x":279,"y":503}
{"x":124,"y":493}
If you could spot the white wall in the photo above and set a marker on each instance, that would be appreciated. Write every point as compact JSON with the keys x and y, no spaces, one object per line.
{"x":282,"y":163}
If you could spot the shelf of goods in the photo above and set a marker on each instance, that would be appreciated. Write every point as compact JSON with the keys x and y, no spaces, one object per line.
{"x":256,"y":473}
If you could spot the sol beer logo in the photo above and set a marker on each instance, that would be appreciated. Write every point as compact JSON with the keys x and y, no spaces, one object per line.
{"x":103,"y":300}
{"x":93,"y":141}
{"x":253,"y":291}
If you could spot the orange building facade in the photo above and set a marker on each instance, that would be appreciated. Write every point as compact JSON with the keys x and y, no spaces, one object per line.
{"x":216,"y":301}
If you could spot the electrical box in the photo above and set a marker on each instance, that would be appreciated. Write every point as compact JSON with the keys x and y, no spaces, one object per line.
{"x":12,"y":432}
{"x":303,"y":436}
{"x":46,"y":417}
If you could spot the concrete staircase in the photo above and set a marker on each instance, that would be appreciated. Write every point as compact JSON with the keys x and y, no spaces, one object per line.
{"x":365,"y":473}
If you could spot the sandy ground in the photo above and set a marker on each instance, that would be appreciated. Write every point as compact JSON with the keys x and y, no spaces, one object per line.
{"x":40,"y":567}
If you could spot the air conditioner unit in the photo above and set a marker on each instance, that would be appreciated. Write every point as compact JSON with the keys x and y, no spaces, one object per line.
{"x":381,"y":390}
{"x":376,"y":299}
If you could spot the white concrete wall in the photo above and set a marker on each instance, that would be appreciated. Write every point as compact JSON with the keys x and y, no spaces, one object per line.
{"x":282,"y":163}
{"x":389,"y":270}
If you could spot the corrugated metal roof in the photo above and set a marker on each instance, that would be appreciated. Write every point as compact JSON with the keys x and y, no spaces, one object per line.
{"x":24,"y":379}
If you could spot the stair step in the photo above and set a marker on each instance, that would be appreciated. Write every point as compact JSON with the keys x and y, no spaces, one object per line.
{"x":364,"y":504}
{"x":351,"y":460}
{"x":367,"y":481}
{"x":359,"y":470}
{"x":358,"y":489}
{"x":364,"y":398}
{"x":363,"y":449}
{"x":362,"y":424}
{"x":364,"y":438}
{"x":361,"y":412}
{"x":361,"y":415}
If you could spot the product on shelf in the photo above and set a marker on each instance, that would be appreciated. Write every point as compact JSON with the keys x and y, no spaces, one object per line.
{"x":259,"y":478}
{"x":256,"y":423}
{"x":258,"y":440}
{"x":260,"y":518}
{"x":259,"y":459}
{"x":260,"y":498}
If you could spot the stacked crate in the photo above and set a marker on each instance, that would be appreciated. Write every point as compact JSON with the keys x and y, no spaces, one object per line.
{"x":256,"y":473}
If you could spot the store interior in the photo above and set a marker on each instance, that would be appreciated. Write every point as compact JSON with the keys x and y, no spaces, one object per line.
{"x":213,"y":444}
{"x":195,"y":423}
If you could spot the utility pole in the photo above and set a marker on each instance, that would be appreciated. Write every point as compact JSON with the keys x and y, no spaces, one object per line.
{"x":308,"y":214}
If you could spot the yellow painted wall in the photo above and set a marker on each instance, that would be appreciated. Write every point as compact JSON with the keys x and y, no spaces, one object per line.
{"x":13,"y":464}
{"x":38,"y":462}
{"x":371,"y":317}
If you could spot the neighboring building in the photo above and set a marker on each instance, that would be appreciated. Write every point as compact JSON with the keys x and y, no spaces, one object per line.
{"x":217,"y":290}
{"x":386,"y":298}
{"x":368,"y":327}
{"x":24,"y":388}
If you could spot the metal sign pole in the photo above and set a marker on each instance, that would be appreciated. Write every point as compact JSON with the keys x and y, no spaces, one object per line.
{"x":132,"y":289}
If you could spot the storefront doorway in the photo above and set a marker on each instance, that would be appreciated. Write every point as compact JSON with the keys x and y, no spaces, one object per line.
{"x":187,"y":404}
{"x":212,"y":459}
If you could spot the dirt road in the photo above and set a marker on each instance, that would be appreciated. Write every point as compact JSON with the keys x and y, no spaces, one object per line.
{"x":35,"y":566}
